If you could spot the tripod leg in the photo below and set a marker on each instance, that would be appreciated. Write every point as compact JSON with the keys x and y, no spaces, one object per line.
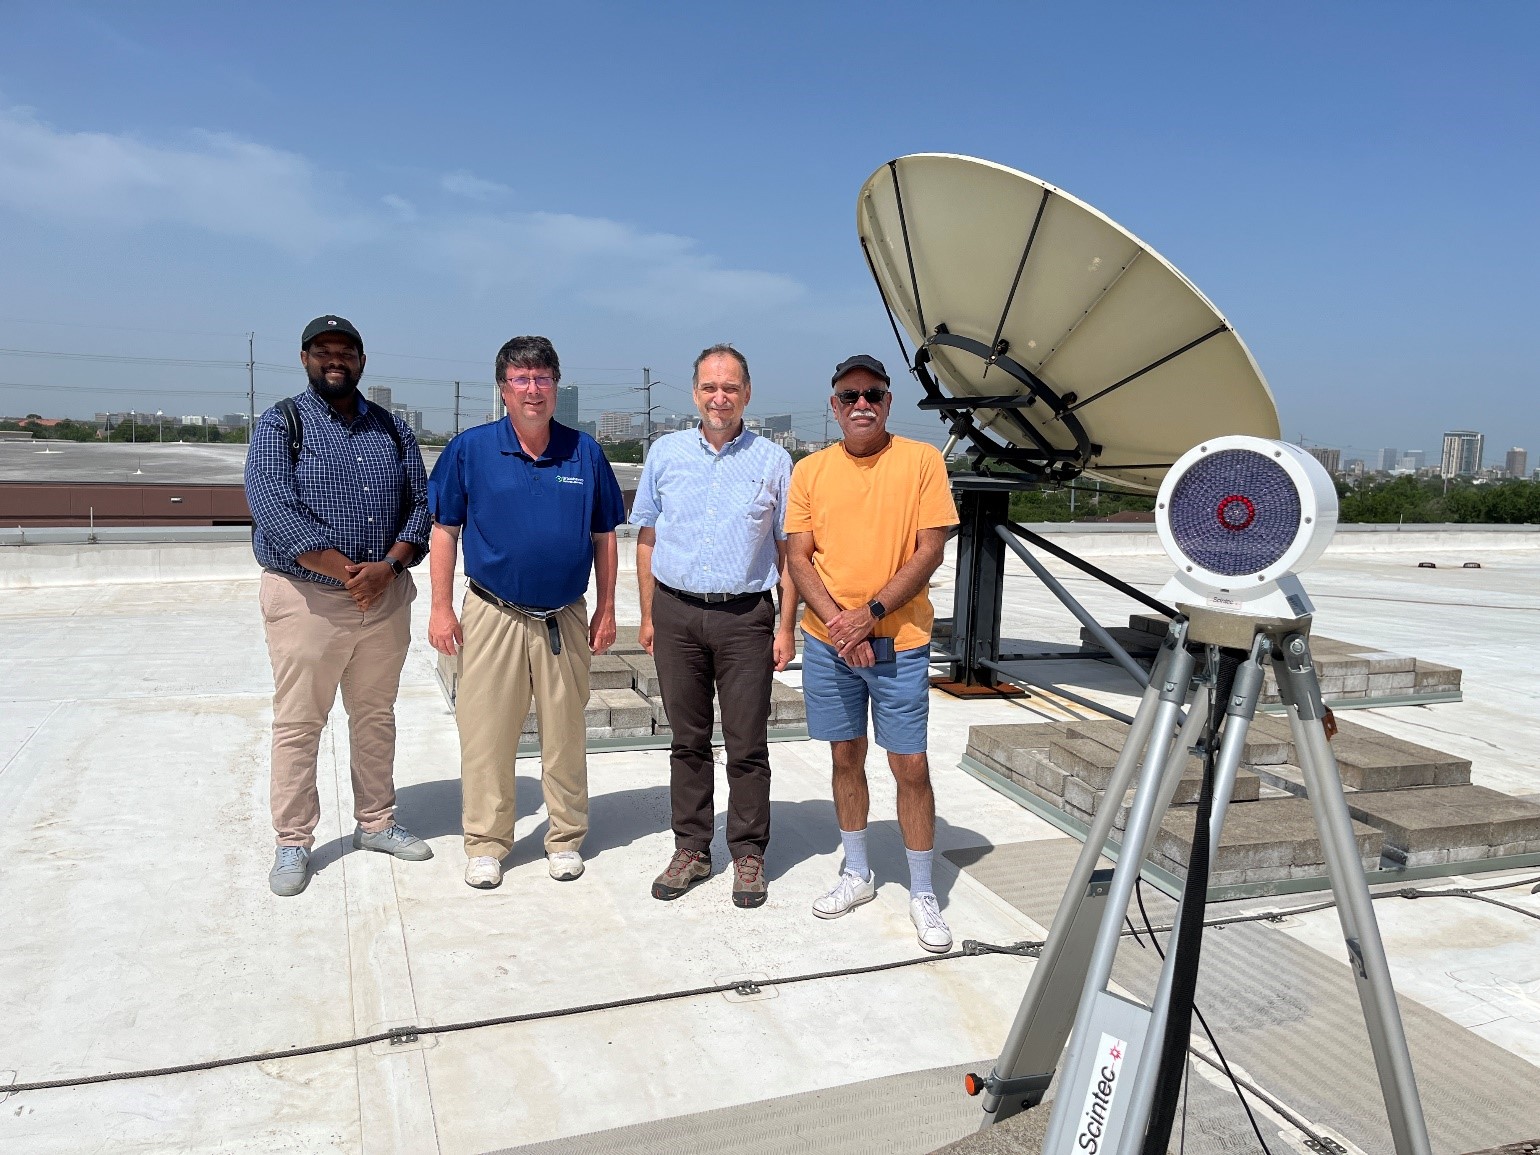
{"x":1301,"y":692}
{"x":1037,"y":1036}
{"x":1143,"y":819}
{"x":1240,"y":708}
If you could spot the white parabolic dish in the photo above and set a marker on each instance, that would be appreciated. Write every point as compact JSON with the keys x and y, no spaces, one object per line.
{"x":1129,"y":347}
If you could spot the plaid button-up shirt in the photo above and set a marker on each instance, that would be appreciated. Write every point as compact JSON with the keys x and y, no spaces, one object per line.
{"x":350,"y":490}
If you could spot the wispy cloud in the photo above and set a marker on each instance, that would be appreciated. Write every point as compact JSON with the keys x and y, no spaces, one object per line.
{"x":212,"y":181}
{"x":468,"y":184}
{"x":226,"y":185}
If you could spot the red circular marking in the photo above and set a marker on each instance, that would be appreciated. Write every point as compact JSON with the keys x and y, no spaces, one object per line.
{"x":1236,"y":513}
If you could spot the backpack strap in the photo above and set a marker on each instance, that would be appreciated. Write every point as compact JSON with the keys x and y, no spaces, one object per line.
{"x":395,"y":435}
{"x":296,"y":429}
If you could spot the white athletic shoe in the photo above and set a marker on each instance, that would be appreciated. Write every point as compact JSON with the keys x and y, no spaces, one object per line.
{"x":848,"y":893}
{"x":565,"y":865}
{"x":483,"y":873}
{"x":925,"y":913}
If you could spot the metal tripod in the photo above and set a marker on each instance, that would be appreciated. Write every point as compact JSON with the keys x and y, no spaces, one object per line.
{"x":1068,"y":996}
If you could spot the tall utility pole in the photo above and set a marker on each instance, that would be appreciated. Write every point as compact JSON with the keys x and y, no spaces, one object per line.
{"x":251,"y":384}
{"x":457,"y":409}
{"x":647,"y":424}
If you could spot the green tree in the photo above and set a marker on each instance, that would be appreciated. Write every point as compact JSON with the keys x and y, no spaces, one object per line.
{"x":617,"y":452}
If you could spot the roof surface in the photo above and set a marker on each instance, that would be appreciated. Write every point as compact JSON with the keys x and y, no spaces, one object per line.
{"x":141,"y":932}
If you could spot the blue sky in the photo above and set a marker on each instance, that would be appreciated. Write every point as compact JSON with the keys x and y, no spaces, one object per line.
{"x":1354,"y":186}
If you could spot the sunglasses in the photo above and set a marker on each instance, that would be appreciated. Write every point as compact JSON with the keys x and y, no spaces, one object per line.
{"x":873,"y":396}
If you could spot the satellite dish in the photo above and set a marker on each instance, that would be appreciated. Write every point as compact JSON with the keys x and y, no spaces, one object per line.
{"x":1104,"y":359}
{"x":1240,"y":516}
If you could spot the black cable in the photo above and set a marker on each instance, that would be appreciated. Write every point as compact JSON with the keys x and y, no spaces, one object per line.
{"x":1224,"y":1063}
{"x":970,"y":948}
{"x":1176,"y":1041}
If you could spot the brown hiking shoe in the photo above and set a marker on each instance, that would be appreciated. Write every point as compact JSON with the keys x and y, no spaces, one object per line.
{"x":685,"y":869}
{"x":749,"y":885}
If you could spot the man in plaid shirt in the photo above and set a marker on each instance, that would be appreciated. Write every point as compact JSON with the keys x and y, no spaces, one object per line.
{"x":335,"y":528}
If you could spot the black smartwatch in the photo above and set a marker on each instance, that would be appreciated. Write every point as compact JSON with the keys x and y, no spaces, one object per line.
{"x":397,"y":566}
{"x":877,"y":610}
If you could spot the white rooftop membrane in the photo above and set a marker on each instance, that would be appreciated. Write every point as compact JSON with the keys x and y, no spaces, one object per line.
{"x":135,"y":841}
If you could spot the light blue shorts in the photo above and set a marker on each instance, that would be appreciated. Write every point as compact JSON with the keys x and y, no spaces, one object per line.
{"x":837,"y":695}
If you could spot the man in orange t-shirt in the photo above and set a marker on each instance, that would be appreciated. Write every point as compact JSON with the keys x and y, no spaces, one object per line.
{"x":866,"y":525}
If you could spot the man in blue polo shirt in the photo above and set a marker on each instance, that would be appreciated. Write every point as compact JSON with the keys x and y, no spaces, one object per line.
{"x":710,"y":551}
{"x":537,"y":505}
{"x":339,"y":512}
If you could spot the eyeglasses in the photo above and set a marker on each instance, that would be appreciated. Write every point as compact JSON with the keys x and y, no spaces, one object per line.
{"x":873,"y":396}
{"x":544,"y":382}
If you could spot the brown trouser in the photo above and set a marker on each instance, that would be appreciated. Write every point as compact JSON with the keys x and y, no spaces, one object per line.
{"x":728,"y":648}
{"x":318,"y":640}
{"x":505,"y":660}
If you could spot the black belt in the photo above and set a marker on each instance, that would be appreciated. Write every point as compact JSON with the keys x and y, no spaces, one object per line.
{"x":711,"y":599}
{"x":552,"y":626}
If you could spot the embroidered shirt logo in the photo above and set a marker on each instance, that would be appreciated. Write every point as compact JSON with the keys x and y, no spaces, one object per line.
{"x":569,"y":480}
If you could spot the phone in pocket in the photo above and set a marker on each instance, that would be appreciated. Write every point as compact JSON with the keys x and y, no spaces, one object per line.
{"x":882,"y":650}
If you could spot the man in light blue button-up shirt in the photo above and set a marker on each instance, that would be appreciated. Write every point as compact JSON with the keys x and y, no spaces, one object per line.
{"x":712,"y":547}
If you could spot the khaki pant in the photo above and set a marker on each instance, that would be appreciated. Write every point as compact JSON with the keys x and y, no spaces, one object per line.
{"x":506,"y":660}
{"x":317,"y":641}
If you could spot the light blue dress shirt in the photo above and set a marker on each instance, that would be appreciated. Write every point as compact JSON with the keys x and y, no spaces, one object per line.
{"x":717,"y":516}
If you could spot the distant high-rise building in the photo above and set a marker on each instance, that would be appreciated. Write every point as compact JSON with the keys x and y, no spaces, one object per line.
{"x":1462,"y":454}
{"x":380,"y":395}
{"x":1389,"y":459}
{"x":778,"y":423}
{"x":567,"y":405}
{"x":1518,"y":462}
{"x":1330,"y":458}
{"x":412,"y":417}
{"x":614,"y":426}
{"x":1414,"y":459}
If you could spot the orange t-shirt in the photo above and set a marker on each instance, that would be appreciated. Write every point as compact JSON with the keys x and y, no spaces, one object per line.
{"x":863,"y":513}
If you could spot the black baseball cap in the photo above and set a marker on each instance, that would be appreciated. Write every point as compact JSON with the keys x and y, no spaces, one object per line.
{"x":330,"y":324}
{"x":859,"y":361}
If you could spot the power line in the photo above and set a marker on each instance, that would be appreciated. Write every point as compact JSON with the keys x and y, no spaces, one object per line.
{"x":204,"y":363}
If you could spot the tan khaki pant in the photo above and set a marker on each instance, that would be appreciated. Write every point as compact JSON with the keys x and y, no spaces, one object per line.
{"x":507,"y":659}
{"x":318,"y":640}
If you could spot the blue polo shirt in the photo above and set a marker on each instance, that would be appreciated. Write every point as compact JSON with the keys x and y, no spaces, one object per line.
{"x":527,"y":521}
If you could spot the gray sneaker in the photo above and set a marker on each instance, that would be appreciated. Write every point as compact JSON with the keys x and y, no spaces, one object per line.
{"x":291,"y":871}
{"x":393,"y":840}
{"x":684,"y":870}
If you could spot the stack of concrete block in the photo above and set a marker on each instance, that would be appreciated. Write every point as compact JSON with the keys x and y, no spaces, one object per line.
{"x":1412,"y":805}
{"x":1367,"y":760}
{"x":1349,"y":674}
{"x":1268,"y":841}
{"x":1439,"y":824}
{"x":626,"y":702}
{"x":787,"y":711}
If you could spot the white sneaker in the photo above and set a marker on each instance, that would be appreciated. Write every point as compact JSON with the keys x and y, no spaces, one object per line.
{"x":565,"y":865}
{"x":925,"y":913}
{"x":483,"y":873}
{"x":848,"y":893}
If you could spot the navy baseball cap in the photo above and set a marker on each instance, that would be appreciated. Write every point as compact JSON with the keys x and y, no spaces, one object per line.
{"x":860,"y":361}
{"x":330,"y":324}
